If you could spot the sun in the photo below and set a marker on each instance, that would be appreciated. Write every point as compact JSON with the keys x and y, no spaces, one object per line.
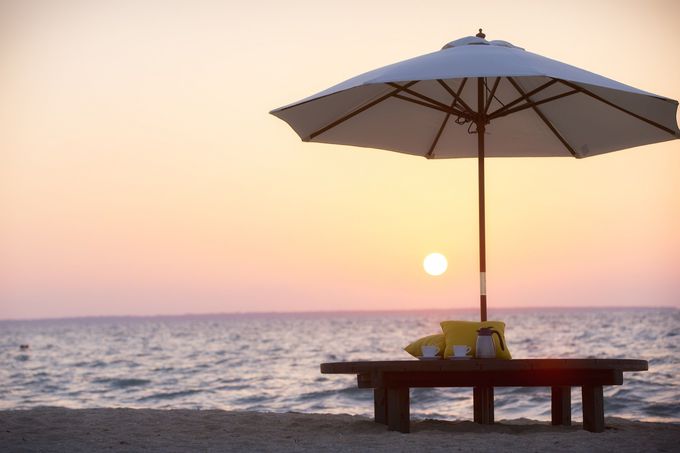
{"x":435,"y":264}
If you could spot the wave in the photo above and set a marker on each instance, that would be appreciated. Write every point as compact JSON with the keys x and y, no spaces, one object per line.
{"x":169,"y":395}
{"x":232,"y":365}
{"x":122,"y":383}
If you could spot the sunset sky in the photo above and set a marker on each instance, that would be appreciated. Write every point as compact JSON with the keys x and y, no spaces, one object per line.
{"x":141,"y":174}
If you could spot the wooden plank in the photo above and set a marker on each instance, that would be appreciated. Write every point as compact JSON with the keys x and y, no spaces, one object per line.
{"x":377,"y":378}
{"x":380,"y":405}
{"x":561,"y":405}
{"x":482,"y":398}
{"x":398,"y":410}
{"x":364,"y":381}
{"x":593,"y":408}
{"x":516,"y":378}
{"x":483,"y":364}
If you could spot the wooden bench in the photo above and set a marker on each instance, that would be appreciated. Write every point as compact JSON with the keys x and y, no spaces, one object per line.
{"x":391,"y":381}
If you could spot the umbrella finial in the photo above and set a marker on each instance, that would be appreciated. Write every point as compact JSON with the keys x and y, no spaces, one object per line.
{"x":480,"y":34}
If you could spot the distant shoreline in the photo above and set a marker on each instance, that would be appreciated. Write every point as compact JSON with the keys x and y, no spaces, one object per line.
{"x":71,"y":430}
{"x":322,"y":313}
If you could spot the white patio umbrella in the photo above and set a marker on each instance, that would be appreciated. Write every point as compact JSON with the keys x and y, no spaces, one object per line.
{"x":479,"y":98}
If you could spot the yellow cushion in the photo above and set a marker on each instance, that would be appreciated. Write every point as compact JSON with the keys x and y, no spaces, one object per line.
{"x":465,"y":332}
{"x":431,"y":340}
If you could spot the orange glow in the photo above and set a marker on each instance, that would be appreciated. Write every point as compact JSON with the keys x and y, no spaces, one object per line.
{"x":140,"y":172}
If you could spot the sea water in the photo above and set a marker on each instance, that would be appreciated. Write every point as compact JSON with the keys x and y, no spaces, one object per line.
{"x":270,"y":362}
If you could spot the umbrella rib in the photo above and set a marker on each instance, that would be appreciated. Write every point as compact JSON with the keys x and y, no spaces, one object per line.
{"x":360,"y":109}
{"x":430,"y":152}
{"x":441,"y":108}
{"x":444,"y":109}
{"x":543,"y":118}
{"x":492,"y":95}
{"x":536,"y":103}
{"x":433,"y":103}
{"x":524,"y":97}
{"x":456,"y":96}
{"x":611,"y":104}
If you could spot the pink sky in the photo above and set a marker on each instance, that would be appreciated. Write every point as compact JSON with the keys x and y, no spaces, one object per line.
{"x":140,"y":172}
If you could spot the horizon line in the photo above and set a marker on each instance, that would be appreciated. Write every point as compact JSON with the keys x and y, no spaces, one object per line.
{"x":340,"y":312}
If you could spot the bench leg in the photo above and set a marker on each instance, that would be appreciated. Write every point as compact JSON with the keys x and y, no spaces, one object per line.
{"x":483,"y":405}
{"x":380,"y":405}
{"x":398,"y":411}
{"x":561,"y":406}
{"x":593,"y":408}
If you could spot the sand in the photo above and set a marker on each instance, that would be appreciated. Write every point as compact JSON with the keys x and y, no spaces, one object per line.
{"x":87,"y":430}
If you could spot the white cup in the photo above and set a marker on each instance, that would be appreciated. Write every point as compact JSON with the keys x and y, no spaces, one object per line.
{"x":430,"y":351}
{"x":461,"y":350}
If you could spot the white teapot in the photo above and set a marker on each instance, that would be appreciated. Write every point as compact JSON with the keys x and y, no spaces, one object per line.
{"x":485,"y":349}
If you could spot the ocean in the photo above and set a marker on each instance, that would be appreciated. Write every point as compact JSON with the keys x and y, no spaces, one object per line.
{"x":270,"y":362}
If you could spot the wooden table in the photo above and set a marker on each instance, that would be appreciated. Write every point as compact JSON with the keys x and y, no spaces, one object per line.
{"x":391,"y":381}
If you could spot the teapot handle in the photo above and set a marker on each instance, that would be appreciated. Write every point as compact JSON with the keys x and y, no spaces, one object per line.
{"x":500,"y":339}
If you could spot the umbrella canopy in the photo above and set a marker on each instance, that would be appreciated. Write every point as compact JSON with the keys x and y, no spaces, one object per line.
{"x":480,"y":98}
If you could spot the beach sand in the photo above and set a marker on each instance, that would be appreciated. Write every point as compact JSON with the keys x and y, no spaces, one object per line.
{"x":87,"y":430}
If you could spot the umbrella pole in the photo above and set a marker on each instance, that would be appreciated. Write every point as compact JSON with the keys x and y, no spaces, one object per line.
{"x":481,"y":126}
